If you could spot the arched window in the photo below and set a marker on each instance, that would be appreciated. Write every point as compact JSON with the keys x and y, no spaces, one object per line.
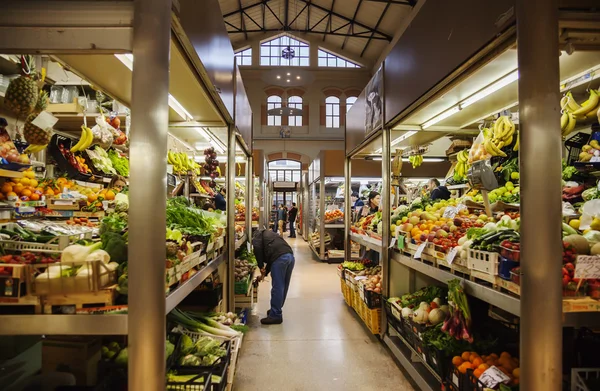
{"x":349,"y":102}
{"x":273,"y":102}
{"x":332,"y":112}
{"x":295,"y":102}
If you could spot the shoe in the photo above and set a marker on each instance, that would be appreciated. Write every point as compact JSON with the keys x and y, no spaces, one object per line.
{"x":268,"y":312}
{"x":269,"y":320}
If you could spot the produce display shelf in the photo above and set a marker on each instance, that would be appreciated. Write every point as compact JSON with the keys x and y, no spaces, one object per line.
{"x":334,"y":226}
{"x":240,"y":241}
{"x":186,"y":288}
{"x":200,"y":195}
{"x":64,"y":325}
{"x":366,"y":243}
{"x":457,"y":187}
{"x":424,"y":377}
{"x":316,"y":252}
{"x":10,"y":174}
{"x":489,"y":295}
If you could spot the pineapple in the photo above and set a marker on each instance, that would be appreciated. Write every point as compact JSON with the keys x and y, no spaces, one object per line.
{"x":42,"y":102}
{"x":22,"y":93}
{"x":33,"y":134}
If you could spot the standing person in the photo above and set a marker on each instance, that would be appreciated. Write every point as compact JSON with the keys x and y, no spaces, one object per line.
{"x":436,"y":191}
{"x":274,"y":255}
{"x":220,"y":202}
{"x":293,"y":214}
{"x":274,"y":219}
{"x":356,"y":201}
{"x":281,"y":218}
{"x":372,"y":203}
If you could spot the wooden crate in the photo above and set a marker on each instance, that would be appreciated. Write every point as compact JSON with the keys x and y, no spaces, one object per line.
{"x":104,"y":297}
{"x":247,"y":301}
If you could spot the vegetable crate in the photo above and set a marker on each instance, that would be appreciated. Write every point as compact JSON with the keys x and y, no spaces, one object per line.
{"x":345,"y":292}
{"x":371,"y":317}
{"x":242,"y":287}
{"x":438,"y":361}
{"x":484,"y":262}
{"x":72,"y":302}
{"x":13,"y":282}
{"x":67,"y":278}
{"x":371,"y":299}
{"x":56,"y":244}
{"x":458,"y":381}
{"x":585,"y":379}
{"x":199,"y":381}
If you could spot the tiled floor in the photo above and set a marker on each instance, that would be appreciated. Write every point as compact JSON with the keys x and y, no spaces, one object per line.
{"x":322,"y":344}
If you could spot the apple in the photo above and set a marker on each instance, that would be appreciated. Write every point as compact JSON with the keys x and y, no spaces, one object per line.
{"x":430,"y":237}
{"x":423,"y":237}
{"x":414,"y":220}
{"x":408,"y":227}
{"x":453,"y":228}
{"x":441,"y":234}
{"x":445,"y":227}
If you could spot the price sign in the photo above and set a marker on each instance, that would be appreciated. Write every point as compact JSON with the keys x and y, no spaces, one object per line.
{"x":450,"y":212}
{"x":45,"y":120}
{"x":595,"y":159}
{"x":249,"y":246}
{"x":493,"y":376}
{"x":401,"y":241}
{"x":587,"y":267}
{"x":420,"y":250}
{"x":393,"y":243}
{"x":451,"y":255}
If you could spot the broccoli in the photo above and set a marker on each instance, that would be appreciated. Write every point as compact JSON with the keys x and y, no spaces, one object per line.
{"x":115,"y":245}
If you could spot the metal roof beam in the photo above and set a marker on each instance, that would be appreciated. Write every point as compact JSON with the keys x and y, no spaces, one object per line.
{"x":376,"y":26}
{"x":351,"y":28}
{"x":245,"y":8}
{"x":352,"y":35}
{"x":329,"y":13}
{"x":242,"y":19}
{"x":298,"y":14}
{"x":410,"y":3}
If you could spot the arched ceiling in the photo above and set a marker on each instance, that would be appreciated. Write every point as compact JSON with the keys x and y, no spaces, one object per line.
{"x":356,"y":28}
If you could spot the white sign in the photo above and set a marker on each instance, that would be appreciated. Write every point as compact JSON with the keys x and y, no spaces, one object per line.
{"x":450,"y":212}
{"x":45,"y":120}
{"x":451,"y":255}
{"x":395,"y":313}
{"x":420,"y":250}
{"x":587,"y":266}
{"x":493,"y":377}
{"x":392,"y":243}
{"x":249,"y":246}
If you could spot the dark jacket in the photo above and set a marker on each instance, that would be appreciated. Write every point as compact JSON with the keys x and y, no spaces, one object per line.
{"x":440,"y":193}
{"x":268,"y":246}
{"x":220,"y":202}
{"x":293,"y":214}
{"x":358,"y":203}
{"x":282,"y":214}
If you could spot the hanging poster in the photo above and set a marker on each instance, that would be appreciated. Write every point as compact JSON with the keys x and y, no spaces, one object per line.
{"x":374,"y":103}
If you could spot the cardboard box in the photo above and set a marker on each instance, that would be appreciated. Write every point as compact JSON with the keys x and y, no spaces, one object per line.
{"x":76,"y":355}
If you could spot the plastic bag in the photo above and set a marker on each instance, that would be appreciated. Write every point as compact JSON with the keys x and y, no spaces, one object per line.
{"x":477,"y":151}
{"x":589,"y":211}
{"x":103,"y":133}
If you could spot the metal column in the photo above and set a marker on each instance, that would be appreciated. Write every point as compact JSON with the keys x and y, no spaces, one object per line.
{"x":322,"y":207}
{"x":386,"y":195}
{"x":249,"y":196}
{"x":231,"y":145}
{"x":347,"y":207}
{"x":148,"y":156}
{"x":541,"y":244}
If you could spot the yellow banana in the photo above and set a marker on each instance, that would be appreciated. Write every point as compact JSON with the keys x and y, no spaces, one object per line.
{"x":516,"y":147}
{"x":509,"y":140}
{"x":81,"y":141}
{"x":572,"y":103}
{"x":589,"y":105}
{"x":511,"y":127}
{"x":570,"y":125}
{"x":564,"y":120}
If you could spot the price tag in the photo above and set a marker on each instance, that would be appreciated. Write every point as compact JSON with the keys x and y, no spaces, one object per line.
{"x":249,"y":246}
{"x":587,"y":266}
{"x":451,"y":255}
{"x":455,"y":379}
{"x":450,"y":212}
{"x":401,"y":241}
{"x":45,"y":120}
{"x":393,"y":243}
{"x":420,"y":250}
{"x":493,"y":376}
{"x":395,"y":313}
{"x":595,"y":159}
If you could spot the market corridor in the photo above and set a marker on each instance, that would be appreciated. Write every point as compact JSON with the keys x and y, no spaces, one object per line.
{"x":322,"y":345}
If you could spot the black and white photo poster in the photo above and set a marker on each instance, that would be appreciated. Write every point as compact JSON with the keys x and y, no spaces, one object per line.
{"x":374,"y":103}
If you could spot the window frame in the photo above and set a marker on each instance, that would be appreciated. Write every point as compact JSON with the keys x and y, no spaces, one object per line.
{"x":332,"y":112}
{"x":295,"y":120}
{"x":350,"y":104}
{"x":327,"y":59}
{"x":273,"y":102}
{"x":244,"y":57}
{"x":270,"y":52}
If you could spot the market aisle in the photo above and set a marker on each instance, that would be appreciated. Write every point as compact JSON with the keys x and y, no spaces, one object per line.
{"x":322,"y":344}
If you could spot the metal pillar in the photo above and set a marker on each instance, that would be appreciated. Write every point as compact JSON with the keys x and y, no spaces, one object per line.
{"x":148,"y":156}
{"x":386,"y":194}
{"x":347,"y":207}
{"x":541,"y":245}
{"x":231,"y":145}
{"x":249,"y":196}
{"x":322,"y":207}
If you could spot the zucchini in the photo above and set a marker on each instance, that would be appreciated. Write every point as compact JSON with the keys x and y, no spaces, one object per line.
{"x":491,"y":239}
{"x":44,"y":238}
{"x":8,"y":232}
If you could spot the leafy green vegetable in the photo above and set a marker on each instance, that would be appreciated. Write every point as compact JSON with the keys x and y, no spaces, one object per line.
{"x":440,"y":340}
{"x":114,"y":222}
{"x":473,"y":233}
{"x":120,"y":164}
{"x":115,"y":245}
{"x":426,"y":294}
{"x":353,"y":266}
{"x":188,"y":219}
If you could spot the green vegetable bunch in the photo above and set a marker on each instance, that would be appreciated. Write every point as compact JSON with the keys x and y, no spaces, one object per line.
{"x":353,"y":266}
{"x":120,"y":164}
{"x":114,"y":222}
{"x":426,"y":294}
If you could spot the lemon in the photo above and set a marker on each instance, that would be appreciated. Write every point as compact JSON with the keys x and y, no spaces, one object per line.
{"x":574,"y":223}
{"x":514,"y":176}
{"x":509,"y":184}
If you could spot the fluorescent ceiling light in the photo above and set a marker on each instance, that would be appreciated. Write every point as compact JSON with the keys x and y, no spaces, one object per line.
{"x":188,"y":146}
{"x":501,"y":83}
{"x":441,"y":117}
{"x":127,"y":60}
{"x":203,"y":133}
{"x":406,"y":135}
{"x":217,"y":147}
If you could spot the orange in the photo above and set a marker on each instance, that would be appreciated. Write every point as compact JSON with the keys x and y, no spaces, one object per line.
{"x":92,"y":197}
{"x":477,"y":362}
{"x":98,"y":204}
{"x":110,"y":195}
{"x":11,"y":194}
{"x":477,"y":373}
{"x":506,"y":371}
{"x":465,"y":356}
{"x":484,"y":367}
{"x":423,"y":227}
{"x":505,"y":354}
{"x":6,"y":188}
{"x":494,"y":356}
{"x":490,"y":362}
{"x":516,"y":372}
{"x":49,"y":192}
{"x":34,"y":197}
{"x":33,"y":183}
{"x":61,"y":181}
{"x":456,"y":361}
{"x":18,"y":188}
{"x":515,"y":382}
{"x":464,"y":367}
{"x":473,"y":356}
{"x":26,"y":193}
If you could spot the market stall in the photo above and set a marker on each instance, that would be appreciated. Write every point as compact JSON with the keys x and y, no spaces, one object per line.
{"x":462,"y":281}
{"x":84,"y":195}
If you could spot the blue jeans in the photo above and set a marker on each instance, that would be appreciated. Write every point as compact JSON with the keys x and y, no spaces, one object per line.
{"x":281,"y":274}
{"x":292,"y":229}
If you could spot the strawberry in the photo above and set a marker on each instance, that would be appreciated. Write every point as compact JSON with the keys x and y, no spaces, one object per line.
{"x":565,"y":281}
{"x":569,"y":266}
{"x":565,"y":272}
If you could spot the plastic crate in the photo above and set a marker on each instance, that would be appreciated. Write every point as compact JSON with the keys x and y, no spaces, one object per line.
{"x":372,"y":318}
{"x":483,"y":261}
{"x":457,"y":380}
{"x":504,"y":268}
{"x":241,"y":287}
{"x":510,"y":254}
{"x":585,"y":379}
{"x":438,"y":361}
{"x":200,"y":382}
{"x":473,"y":384}
{"x":372,"y":299}
{"x":42,"y":283}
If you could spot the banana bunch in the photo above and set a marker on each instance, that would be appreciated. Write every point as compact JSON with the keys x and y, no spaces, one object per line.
{"x":86,"y":139}
{"x":573,"y":111}
{"x":462,"y":166}
{"x":182,"y":163}
{"x":500,"y":135}
{"x":415,"y":160}
{"x":32,"y":148}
